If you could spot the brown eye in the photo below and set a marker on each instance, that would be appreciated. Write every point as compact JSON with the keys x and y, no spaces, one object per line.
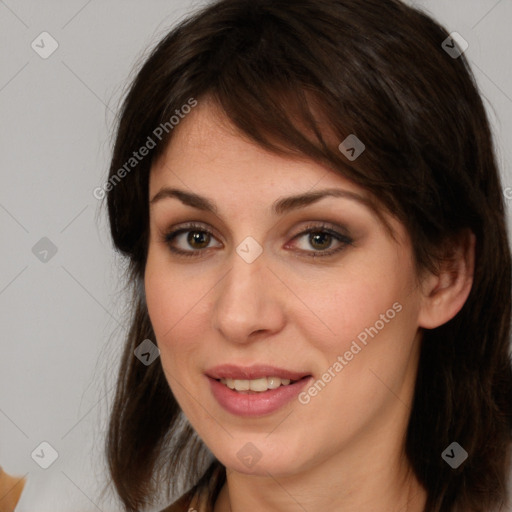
{"x":198,"y":239}
{"x":320,"y":240}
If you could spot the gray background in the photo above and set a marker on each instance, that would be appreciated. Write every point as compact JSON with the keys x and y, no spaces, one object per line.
{"x":62,"y":319}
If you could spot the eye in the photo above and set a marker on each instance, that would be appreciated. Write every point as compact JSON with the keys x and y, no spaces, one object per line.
{"x":324,"y":240}
{"x":190,"y":240}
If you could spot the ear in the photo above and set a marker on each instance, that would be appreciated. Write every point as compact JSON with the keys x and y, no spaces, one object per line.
{"x":445,"y":293}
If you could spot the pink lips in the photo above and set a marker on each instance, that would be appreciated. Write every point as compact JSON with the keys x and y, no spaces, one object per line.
{"x":230,"y":371}
{"x":254,"y":403}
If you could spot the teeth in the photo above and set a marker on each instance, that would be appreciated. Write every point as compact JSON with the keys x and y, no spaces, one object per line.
{"x":273,"y":382}
{"x":242,"y":385}
{"x":259,"y":385}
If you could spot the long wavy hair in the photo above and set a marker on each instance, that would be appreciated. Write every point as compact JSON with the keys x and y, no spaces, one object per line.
{"x":288,"y":73}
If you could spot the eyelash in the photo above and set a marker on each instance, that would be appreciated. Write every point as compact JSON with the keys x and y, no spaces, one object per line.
{"x":344,"y":240}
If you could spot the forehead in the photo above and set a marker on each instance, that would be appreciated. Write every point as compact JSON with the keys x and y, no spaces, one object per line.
{"x":207,"y":151}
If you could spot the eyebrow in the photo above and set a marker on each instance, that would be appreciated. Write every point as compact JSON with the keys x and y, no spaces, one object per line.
{"x":279,"y":207}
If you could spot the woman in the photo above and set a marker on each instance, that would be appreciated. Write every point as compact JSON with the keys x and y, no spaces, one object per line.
{"x":308,"y":199}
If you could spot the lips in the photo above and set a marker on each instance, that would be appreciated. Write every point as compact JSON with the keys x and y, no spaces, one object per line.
{"x":228,"y":371}
{"x":256,"y":390}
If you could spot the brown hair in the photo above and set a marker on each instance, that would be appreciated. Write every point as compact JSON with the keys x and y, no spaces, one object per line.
{"x":286,"y":73}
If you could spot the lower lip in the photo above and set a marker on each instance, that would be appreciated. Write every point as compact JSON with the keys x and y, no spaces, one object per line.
{"x":255,"y":404}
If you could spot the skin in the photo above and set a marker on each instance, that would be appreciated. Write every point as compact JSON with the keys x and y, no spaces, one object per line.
{"x":344,"y":449}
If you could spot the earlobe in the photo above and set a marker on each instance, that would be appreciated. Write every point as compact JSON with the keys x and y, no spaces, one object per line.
{"x":445,"y":293}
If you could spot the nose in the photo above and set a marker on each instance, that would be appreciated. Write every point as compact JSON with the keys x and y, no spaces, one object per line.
{"x":248,"y":304}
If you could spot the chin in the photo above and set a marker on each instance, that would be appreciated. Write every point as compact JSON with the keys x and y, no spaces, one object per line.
{"x":277,"y":469}
{"x":260,"y":457}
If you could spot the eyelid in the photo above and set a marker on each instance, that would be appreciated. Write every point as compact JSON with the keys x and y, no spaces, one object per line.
{"x":190,"y":226}
{"x":321,"y":226}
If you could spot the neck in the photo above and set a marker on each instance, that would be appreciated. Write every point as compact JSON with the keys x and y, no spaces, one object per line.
{"x":352,"y":479}
{"x":379,"y":488}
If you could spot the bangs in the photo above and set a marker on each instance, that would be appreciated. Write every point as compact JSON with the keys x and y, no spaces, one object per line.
{"x":266,"y":76}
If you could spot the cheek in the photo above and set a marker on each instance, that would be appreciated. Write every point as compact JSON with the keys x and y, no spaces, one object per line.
{"x":175,"y":303}
{"x":173,"y":310}
{"x":352,"y":307}
{"x":370,"y":351}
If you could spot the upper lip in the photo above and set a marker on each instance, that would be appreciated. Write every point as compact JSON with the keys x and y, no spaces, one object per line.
{"x":231,"y":371}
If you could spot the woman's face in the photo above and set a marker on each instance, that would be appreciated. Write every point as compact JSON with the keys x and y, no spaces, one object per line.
{"x":307,"y":307}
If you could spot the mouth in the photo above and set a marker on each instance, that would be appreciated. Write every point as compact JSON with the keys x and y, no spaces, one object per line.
{"x":256,"y":390}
